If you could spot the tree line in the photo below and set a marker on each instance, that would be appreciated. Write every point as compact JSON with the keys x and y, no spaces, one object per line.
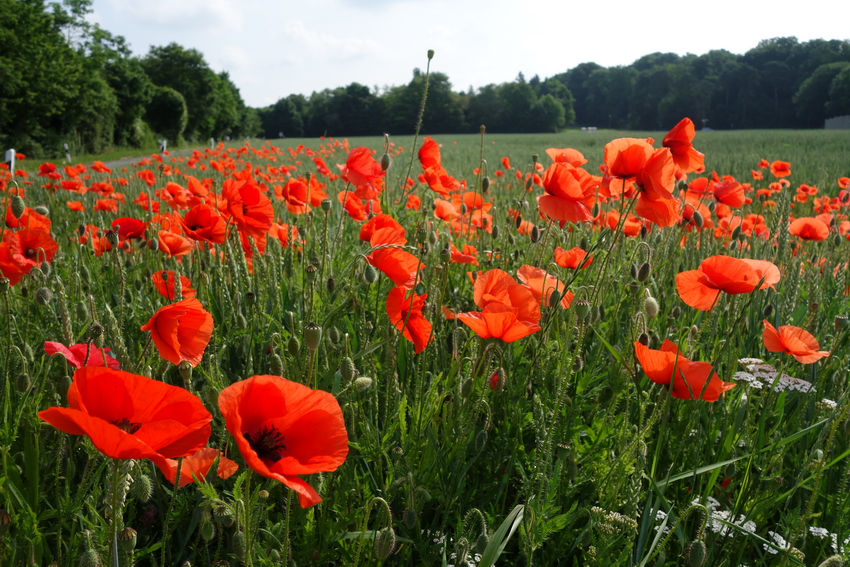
{"x":781,"y":83}
{"x":64,"y":80}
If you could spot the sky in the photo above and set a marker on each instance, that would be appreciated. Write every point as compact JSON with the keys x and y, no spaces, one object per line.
{"x":274,"y":48}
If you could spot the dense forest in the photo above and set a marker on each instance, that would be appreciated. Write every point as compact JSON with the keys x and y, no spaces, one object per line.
{"x":65,"y":80}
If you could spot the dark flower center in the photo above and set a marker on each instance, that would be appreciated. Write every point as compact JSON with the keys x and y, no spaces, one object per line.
{"x":195,"y":227}
{"x":127,"y":426}
{"x":267,"y":443}
{"x":29,"y":253}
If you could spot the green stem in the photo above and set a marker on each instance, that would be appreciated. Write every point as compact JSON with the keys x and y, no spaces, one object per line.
{"x":170,"y":508}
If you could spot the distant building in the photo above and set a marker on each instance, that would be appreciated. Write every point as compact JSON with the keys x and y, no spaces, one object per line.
{"x":837,"y":123}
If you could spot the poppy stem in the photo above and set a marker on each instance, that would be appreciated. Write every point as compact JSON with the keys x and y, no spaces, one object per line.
{"x":170,"y":509}
{"x":418,"y":125}
{"x":286,"y":527}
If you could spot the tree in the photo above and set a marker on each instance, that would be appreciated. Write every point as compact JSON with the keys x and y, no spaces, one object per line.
{"x":282,"y":117}
{"x":167,"y":113}
{"x":485,"y":108}
{"x":560,"y":92}
{"x":547,"y":115}
{"x":814,"y":94}
{"x":517,"y":101}
{"x":839,"y":95}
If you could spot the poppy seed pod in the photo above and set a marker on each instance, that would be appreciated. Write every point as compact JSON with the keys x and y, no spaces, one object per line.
{"x":326,"y":205}
{"x":312,"y":335}
{"x":185,"y":370}
{"x":445,"y":255}
{"x":386,"y":162}
{"x":18,"y":206}
{"x":385,"y":540}
{"x":485,"y":184}
{"x":841,"y":322}
{"x":250,"y":299}
{"x":494,"y":232}
{"x":310,"y":272}
{"x":643,"y":272}
{"x":112,"y":238}
{"x":696,"y":553}
{"x":4,"y":285}
{"x":582,"y":309}
{"x":430,"y":56}
{"x":127,"y":540}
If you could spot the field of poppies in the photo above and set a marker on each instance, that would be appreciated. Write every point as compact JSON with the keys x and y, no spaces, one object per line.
{"x":473,"y":350}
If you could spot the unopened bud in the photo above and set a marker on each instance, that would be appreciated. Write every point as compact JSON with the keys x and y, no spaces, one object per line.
{"x":293,"y":346}
{"x":42,"y":210}
{"x":385,"y":540}
{"x":386,"y":162}
{"x":643,"y":272}
{"x":347,"y":369}
{"x":370,"y":274}
{"x":696,"y":553}
{"x":650,"y":305}
{"x":480,"y":440}
{"x":363,"y":383}
{"x":43,"y":296}
{"x":18,"y":206}
{"x":485,"y":184}
{"x":535,"y":233}
{"x":767,"y":312}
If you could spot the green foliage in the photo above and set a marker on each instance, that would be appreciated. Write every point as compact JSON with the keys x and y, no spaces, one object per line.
{"x":839,"y":94}
{"x":167,"y":114}
{"x":816,"y":92}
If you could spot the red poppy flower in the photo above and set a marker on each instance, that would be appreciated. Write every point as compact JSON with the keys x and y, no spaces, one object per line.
{"x":509,"y":310}
{"x":566,"y":155}
{"x":29,"y":219}
{"x":248,"y":207}
{"x":429,"y":154}
{"x":413,"y":202}
{"x":353,"y":206}
{"x":730,"y":193}
{"x":46,"y":168}
{"x":297,"y":195}
{"x":321,"y":166}
{"x":565,"y":199}
{"x":439,"y":180}
{"x":284,"y":429}
{"x":679,"y":140}
{"x":445,"y":210}
{"x":163,"y":280}
{"x":757,"y":175}
{"x":763,"y":164}
{"x":809,"y":228}
{"x":132,"y":417}
{"x":656,"y":180}
{"x":28,"y":248}
{"x":398,"y":265}
{"x":376,"y":224}
{"x":689,"y":378}
{"x":76,"y":355}
{"x":75,"y":206}
{"x":538,"y":281}
{"x":361,"y":169}
{"x":626,"y":157}
{"x":467,"y":256}
{"x":797,"y":342}
{"x":198,"y":466}
{"x":780,"y":169}
{"x":100,"y":168}
{"x":573,"y":258}
{"x":181,"y":331}
{"x":844,"y":182}
{"x":284,"y":233}
{"x":404,"y":308}
{"x":203,"y":223}
{"x":128,"y":227}
{"x":173,"y":244}
{"x":700,"y":288}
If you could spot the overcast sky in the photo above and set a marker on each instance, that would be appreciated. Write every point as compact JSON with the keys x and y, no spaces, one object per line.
{"x":276,"y":48}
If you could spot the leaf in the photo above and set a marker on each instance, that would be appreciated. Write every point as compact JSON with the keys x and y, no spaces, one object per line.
{"x":501,"y":537}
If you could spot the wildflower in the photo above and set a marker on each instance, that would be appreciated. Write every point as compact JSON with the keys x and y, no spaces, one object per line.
{"x":780,"y":169}
{"x":163,"y":280}
{"x":575,"y":258}
{"x":181,"y":331}
{"x":701,"y":288}
{"x":566,"y":155}
{"x":797,"y":342}
{"x":284,"y":429}
{"x":248,"y":207}
{"x":566,"y":197}
{"x":198,"y":465}
{"x":688,"y":377}
{"x":679,"y":140}
{"x":809,"y":228}
{"x":81,"y":355}
{"x":509,"y":310}
{"x":203,"y":223}
{"x":404,"y":308}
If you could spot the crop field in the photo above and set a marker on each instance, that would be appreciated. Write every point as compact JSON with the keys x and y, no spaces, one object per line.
{"x":620,"y":348}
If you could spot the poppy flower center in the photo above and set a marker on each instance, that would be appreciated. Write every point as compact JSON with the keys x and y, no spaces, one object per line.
{"x":29,"y":253}
{"x":127,"y":426}
{"x":267,"y":443}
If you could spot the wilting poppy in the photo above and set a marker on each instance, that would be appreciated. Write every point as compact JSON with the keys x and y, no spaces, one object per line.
{"x":679,"y":140}
{"x":132,"y":417}
{"x":163,"y":280}
{"x":574,"y":258}
{"x":198,"y":466}
{"x":809,"y":228}
{"x":689,"y":378}
{"x":284,"y":429}
{"x":780,"y":169}
{"x":249,"y":208}
{"x":404,"y":308}
{"x":203,"y":223}
{"x":797,"y":342}
{"x":509,"y":310}
{"x":181,"y":331}
{"x":78,"y":355}
{"x":700,"y":288}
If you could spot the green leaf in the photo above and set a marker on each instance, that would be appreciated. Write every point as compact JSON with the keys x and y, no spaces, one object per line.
{"x":501,"y":536}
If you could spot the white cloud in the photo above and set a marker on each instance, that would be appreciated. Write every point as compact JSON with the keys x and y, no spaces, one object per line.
{"x":326,"y":46}
{"x":183,"y":14}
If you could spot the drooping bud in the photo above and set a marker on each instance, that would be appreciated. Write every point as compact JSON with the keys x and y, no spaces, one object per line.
{"x":643,"y":272}
{"x":23,"y":383}
{"x":334,"y":336}
{"x":485,"y":184}
{"x":370,"y":274}
{"x":5,"y":522}
{"x":42,"y":210}
{"x":386,"y":162}
{"x":207,"y":531}
{"x":385,"y":540}
{"x":675,"y":312}
{"x":528,"y":183}
{"x":43,"y":296}
{"x":432,"y":238}
{"x":633,"y":271}
{"x":535,"y":233}
{"x":834,"y":561}
{"x":497,"y":380}
{"x":643,"y":339}
{"x":480,"y":440}
{"x":276,"y":364}
{"x":696,"y":553}
{"x":466,"y":388}
{"x":494,"y":232}
{"x":554,"y":298}
{"x":153,"y":244}
{"x":293,"y":346}
{"x":767,"y":311}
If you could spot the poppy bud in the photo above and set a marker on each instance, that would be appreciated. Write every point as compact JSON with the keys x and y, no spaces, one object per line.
{"x":583,"y":243}
{"x":466,"y":388}
{"x":43,"y":296}
{"x":433,"y":237}
{"x":4,"y":285}
{"x":445,"y":255}
{"x":293,"y":346}
{"x":696,"y":553}
{"x":89,"y":559}
{"x":497,"y":380}
{"x":23,"y":383}
{"x":385,"y":540}
{"x":841,"y":322}
{"x":594,"y":212}
{"x":207,"y":531}
{"x":733,"y":245}
{"x":578,"y":363}
{"x":153,"y":244}
{"x":767,"y":311}
{"x":485,"y":184}
{"x":698,"y":220}
{"x":518,"y":221}
{"x":386,"y":162}
{"x":326,"y":205}
{"x":347,"y":369}
{"x":643,"y":339}
{"x":582,"y":309}
{"x":736,"y":232}
{"x":330,"y":285}
{"x":554,"y":298}
{"x":834,"y":561}
{"x":276,"y":364}
{"x":127,"y":540}
{"x":410,"y":518}
{"x":528,"y":183}
{"x":42,"y":210}
{"x":426,"y":248}
{"x":650,"y":305}
{"x":430,"y":56}
{"x":237,"y":545}
{"x":494,"y":232}
{"x":18,"y":206}
{"x":310,"y":271}
{"x":263,"y":494}
{"x":363,"y":383}
{"x":633,"y":271}
{"x":535,"y":234}
{"x":95,"y":330}
{"x":511,"y":239}
{"x":480,"y":440}
{"x":458,"y":340}
{"x":482,"y":541}
{"x":643,"y":272}
{"x":634,"y":288}
{"x":241,"y":321}
{"x":370,"y":274}
{"x":334,"y":336}
{"x":463,"y":209}
{"x":675,"y":312}
{"x":312,"y":335}
{"x":275,"y":556}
